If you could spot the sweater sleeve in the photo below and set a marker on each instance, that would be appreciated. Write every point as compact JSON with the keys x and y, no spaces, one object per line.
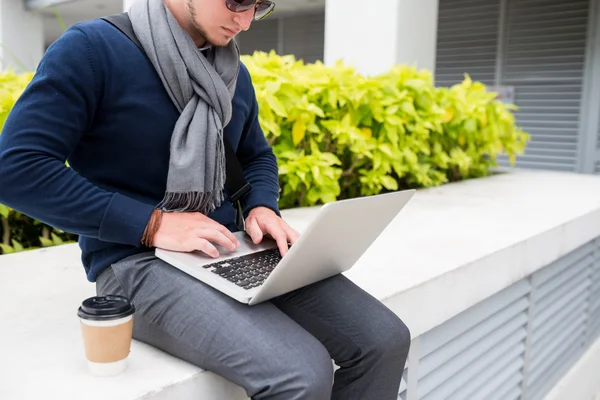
{"x":42,"y":130}
{"x":257,"y":158}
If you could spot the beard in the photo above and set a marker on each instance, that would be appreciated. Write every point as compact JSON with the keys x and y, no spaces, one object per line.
{"x":195,"y":27}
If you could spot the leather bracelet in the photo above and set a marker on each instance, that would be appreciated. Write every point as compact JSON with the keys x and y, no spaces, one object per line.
{"x":155,"y":227}
{"x":151,"y":228}
{"x":145,"y":234}
{"x":147,"y":230}
{"x":148,"y":234}
{"x":157,"y":221}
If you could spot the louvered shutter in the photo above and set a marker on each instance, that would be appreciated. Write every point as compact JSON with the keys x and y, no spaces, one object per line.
{"x":478,"y":354}
{"x":594,"y":324}
{"x":559,"y":319}
{"x":304,"y":36}
{"x":467,"y":41}
{"x":301,"y":35}
{"x":262,"y":36}
{"x":544,"y":59}
{"x":518,"y":343}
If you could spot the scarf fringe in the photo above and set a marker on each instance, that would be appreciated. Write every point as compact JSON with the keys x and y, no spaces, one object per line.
{"x":202,"y":202}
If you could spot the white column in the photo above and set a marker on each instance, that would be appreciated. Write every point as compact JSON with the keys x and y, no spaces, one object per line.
{"x":374,"y":35}
{"x":21,"y":36}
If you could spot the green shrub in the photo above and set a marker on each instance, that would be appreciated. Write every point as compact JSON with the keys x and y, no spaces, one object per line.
{"x":338,"y":134}
{"x":11,"y":87}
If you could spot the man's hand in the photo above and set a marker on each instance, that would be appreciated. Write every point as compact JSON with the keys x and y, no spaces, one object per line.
{"x":193,"y":231}
{"x":262,"y":221}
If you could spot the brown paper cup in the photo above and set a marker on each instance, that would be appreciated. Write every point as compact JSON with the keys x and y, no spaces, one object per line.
{"x":107,"y":326}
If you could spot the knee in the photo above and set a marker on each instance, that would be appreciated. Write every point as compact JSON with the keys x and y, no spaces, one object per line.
{"x":391,"y":339}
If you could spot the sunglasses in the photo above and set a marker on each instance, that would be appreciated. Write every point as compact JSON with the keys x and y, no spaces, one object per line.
{"x":261,"y":8}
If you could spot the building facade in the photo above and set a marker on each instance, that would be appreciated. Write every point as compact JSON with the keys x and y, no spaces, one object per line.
{"x":544,"y":54}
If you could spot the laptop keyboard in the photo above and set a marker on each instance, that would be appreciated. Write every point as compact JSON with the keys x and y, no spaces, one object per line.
{"x":247,"y":271}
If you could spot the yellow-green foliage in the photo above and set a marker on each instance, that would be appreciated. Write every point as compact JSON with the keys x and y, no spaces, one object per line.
{"x":338,"y":134}
{"x":11,"y":87}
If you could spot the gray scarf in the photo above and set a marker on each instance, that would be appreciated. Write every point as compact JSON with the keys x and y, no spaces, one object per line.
{"x":202,"y":90}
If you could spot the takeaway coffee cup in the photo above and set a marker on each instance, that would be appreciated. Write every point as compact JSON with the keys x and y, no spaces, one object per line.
{"x":107,"y":326}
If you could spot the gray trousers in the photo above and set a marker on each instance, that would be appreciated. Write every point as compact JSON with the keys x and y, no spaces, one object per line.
{"x":281,"y":349}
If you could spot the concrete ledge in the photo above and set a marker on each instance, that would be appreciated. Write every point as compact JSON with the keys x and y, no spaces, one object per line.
{"x":450,"y":248}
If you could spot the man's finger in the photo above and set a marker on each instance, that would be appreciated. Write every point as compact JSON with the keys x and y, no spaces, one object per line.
{"x":218,"y":237}
{"x":227,"y":233}
{"x":254,"y":230}
{"x":292,"y":235}
{"x":206,"y":247}
{"x":209,"y":223}
{"x":280,"y":237}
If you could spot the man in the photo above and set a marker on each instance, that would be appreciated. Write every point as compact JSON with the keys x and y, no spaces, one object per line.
{"x":142,"y":132}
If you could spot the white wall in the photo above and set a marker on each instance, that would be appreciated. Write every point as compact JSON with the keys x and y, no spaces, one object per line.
{"x":417,"y":33}
{"x":374,"y":35}
{"x":21,"y":36}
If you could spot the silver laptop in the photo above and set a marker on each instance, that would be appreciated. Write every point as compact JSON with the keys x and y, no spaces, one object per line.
{"x":338,"y":236}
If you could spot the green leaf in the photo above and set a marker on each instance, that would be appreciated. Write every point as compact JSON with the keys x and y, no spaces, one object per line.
{"x":4,"y":210}
{"x":392,"y":133}
{"x":416,"y":84}
{"x":302,"y":176}
{"x":389,"y":183}
{"x":294,"y":182}
{"x":408,"y":108}
{"x":316,"y":110}
{"x":298,"y":132}
{"x":313,"y":196}
{"x":18,"y":247}
{"x":317,"y":174}
{"x":377,"y":161}
{"x":6,"y":249}
{"x":55,"y":239}
{"x":330,"y":159}
{"x":385,"y":148}
{"x":46,"y":242}
{"x":329,"y":196}
{"x":471,"y":126}
{"x":347,"y":121}
{"x":276,"y":105}
{"x":400,"y":168}
{"x":313,"y":128}
{"x":332,"y":99}
{"x":392,"y":110}
{"x":394,"y":120}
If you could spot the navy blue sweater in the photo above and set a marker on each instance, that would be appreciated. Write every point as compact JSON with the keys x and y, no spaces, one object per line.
{"x":97,"y":102}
